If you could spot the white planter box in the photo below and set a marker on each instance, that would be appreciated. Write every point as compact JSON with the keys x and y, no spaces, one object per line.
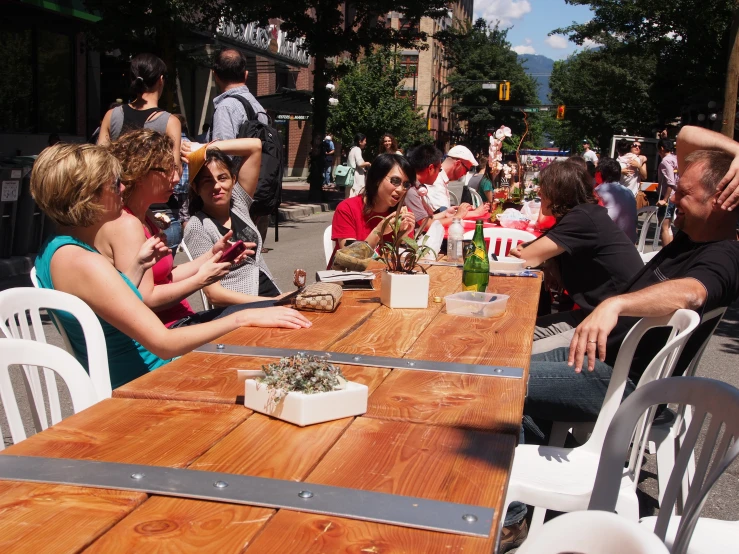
{"x":403,"y":290}
{"x":307,"y":409}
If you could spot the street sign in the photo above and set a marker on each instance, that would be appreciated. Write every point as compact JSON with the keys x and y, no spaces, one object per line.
{"x":531,"y":110}
{"x":490,"y":86}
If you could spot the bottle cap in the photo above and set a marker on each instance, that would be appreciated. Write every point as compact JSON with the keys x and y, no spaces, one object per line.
{"x":437,"y":299}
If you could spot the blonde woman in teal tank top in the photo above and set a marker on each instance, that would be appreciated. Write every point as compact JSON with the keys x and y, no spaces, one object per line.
{"x":78,"y":187}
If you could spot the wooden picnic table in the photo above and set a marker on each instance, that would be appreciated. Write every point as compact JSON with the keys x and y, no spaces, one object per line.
{"x":440,"y":436}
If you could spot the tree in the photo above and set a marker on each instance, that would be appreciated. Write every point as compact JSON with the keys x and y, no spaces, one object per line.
{"x":688,"y":42}
{"x":336,"y":28}
{"x":369,"y":103}
{"x":481,"y":52}
{"x":606,"y":91}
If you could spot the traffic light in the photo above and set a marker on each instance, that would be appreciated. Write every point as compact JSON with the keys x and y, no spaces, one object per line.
{"x":504,"y":91}
{"x":561,"y":111}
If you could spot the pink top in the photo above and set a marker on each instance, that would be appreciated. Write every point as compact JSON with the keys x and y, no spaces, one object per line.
{"x":163,"y":276}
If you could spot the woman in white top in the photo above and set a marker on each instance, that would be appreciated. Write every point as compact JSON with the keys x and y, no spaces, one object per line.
{"x":356,"y":161}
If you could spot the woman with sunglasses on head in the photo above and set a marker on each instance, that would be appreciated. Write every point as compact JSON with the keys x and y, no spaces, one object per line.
{"x":633,"y":168}
{"x":148,"y":74}
{"x":219,"y":202}
{"x":363,"y":217}
{"x":78,"y":187}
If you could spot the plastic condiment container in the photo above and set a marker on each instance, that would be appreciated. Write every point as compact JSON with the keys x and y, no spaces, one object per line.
{"x":476,"y":304}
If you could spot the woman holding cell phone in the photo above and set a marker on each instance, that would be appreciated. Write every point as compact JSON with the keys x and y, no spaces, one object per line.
{"x":220,"y":198}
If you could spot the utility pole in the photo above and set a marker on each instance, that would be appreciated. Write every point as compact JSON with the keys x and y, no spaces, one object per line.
{"x":732,"y":77}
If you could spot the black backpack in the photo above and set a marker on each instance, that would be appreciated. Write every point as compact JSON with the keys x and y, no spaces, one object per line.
{"x":268,"y":195}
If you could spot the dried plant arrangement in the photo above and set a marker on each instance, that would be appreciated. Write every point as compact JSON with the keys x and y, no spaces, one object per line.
{"x":300,"y":373}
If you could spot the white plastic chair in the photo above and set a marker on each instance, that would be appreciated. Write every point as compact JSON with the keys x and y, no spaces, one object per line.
{"x":556,"y":478}
{"x":453,"y":200}
{"x":54,"y":360}
{"x":476,"y":198}
{"x":33,"y":277}
{"x":665,"y":439}
{"x":17,"y":305}
{"x":512,"y":236}
{"x":651,"y":212}
{"x":328,"y":244}
{"x":592,"y":532}
{"x":206,"y":303}
{"x":709,"y":398}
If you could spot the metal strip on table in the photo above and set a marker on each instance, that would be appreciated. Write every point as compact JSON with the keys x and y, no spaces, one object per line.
{"x":406,"y":511}
{"x":363,"y":360}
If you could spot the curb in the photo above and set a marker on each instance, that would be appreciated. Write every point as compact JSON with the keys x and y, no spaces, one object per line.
{"x":290,"y":211}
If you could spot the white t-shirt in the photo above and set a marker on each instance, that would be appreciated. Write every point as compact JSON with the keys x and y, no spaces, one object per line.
{"x":633,"y":181}
{"x":438,"y":196}
{"x":589,"y":156}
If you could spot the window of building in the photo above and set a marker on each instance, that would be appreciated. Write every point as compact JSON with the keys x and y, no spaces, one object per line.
{"x":410,"y":64}
{"x":37,"y":91}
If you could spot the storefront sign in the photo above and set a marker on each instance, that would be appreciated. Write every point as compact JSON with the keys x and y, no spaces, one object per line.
{"x":293,"y":117}
{"x":270,"y":40}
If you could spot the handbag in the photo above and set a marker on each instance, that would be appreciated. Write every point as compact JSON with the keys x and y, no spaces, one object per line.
{"x":344,"y":176}
{"x":319,"y":297}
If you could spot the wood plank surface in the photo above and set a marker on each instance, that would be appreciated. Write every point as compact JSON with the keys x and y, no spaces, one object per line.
{"x":468,"y":401}
{"x":261,"y":446}
{"x":391,"y":332}
{"x":58,"y":519}
{"x":440,"y":463}
{"x":182,"y":525}
{"x":200,"y":377}
{"x":152,"y":432}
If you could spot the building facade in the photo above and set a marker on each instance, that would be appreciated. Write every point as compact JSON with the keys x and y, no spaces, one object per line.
{"x":426,"y":71}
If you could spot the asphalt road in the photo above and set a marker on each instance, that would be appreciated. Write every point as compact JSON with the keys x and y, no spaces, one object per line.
{"x":301,"y":246}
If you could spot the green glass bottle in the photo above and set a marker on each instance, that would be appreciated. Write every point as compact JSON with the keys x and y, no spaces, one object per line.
{"x":476,"y":272}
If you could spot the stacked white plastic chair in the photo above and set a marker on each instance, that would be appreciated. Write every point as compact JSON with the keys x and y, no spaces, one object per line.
{"x":561,"y":479}
{"x":55,"y":361}
{"x":708,"y":399}
{"x":17,"y":307}
{"x":592,"y":532}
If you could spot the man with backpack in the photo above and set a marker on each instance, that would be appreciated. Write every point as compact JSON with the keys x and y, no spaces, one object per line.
{"x":237,"y":115}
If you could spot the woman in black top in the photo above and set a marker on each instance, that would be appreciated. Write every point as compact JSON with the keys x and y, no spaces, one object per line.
{"x":587,"y":253}
{"x":148,"y":74}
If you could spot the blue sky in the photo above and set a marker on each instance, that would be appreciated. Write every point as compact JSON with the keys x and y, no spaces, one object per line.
{"x":531,"y":22}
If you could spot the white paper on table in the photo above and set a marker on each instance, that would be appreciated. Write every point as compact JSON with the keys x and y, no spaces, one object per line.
{"x":433,"y":238}
{"x":332,"y":276}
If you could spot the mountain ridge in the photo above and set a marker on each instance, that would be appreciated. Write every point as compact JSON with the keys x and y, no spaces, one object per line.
{"x":540,"y":67}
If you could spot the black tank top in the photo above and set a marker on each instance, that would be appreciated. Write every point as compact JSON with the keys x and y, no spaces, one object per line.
{"x":135,"y":119}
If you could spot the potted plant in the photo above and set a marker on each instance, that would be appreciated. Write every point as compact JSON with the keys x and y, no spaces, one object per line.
{"x":305,"y":390}
{"x":404,"y":283}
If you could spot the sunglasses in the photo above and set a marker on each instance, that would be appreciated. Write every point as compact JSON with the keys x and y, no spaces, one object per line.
{"x":636,"y":145}
{"x":398,"y":182}
{"x":116,"y":186}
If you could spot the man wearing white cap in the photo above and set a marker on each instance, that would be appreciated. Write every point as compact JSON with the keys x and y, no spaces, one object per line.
{"x":458,"y":162}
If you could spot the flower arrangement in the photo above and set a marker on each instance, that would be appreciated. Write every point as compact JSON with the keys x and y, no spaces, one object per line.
{"x":540,"y":163}
{"x":300,"y":373}
{"x":495,"y":150}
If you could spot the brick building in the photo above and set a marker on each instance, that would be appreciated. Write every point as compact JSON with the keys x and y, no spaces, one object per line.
{"x":426,"y":70}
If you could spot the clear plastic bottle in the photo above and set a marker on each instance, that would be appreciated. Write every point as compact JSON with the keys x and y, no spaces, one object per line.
{"x":455,"y":241}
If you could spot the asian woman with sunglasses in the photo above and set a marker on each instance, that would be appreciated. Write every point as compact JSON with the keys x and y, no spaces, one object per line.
{"x":363,"y":217}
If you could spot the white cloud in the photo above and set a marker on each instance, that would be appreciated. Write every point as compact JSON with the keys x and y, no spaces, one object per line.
{"x":558,"y":42}
{"x":505,"y":11}
{"x":524,"y":48}
{"x":588,"y":44}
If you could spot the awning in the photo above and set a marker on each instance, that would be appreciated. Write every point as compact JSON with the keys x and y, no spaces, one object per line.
{"x":72,"y":8}
{"x":288,"y":102}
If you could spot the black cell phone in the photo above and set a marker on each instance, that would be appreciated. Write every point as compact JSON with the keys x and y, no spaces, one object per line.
{"x":232,"y":252}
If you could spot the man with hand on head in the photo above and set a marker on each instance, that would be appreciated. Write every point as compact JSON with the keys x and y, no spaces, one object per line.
{"x":699,"y":270}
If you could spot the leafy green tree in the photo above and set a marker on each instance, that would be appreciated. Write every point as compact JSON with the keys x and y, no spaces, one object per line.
{"x":604,"y":91}
{"x":336,"y":28}
{"x":481,"y":52}
{"x":685,"y":43}
{"x":369,"y":103}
